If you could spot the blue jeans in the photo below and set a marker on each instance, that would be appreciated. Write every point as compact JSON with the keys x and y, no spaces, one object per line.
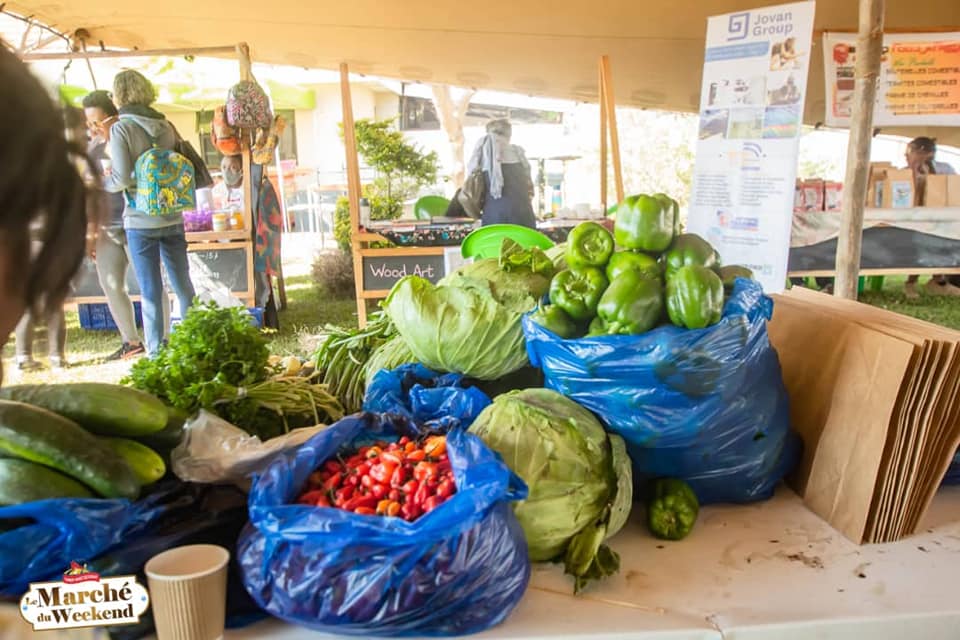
{"x":147,"y":248}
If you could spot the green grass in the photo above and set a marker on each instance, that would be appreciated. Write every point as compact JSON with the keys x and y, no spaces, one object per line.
{"x":942,"y":310}
{"x":308,"y":310}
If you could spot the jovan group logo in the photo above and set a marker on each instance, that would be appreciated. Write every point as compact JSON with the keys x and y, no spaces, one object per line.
{"x":738,"y":26}
{"x":84,"y":599}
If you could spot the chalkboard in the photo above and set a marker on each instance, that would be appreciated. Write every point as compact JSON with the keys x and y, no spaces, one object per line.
{"x":381,"y":272}
{"x":227,"y":265}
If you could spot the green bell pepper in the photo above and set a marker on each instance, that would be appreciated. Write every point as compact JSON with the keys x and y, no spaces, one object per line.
{"x":623,"y":260}
{"x":597,"y":327}
{"x":674,"y":206}
{"x":694,"y":297}
{"x":553,"y":318}
{"x":578,"y":292}
{"x":729,"y":275}
{"x":689,"y":249}
{"x":632,"y":304}
{"x":645,"y":223}
{"x":672,"y":510}
{"x":588,"y":245}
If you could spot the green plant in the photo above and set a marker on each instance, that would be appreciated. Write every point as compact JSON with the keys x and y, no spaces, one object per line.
{"x":341,"y":223}
{"x":402,"y":168}
{"x":333,"y":274}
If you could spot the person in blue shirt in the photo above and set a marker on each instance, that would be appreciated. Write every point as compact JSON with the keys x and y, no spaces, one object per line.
{"x":509,"y":192}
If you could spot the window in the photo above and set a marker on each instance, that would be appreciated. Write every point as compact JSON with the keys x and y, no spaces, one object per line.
{"x":419,"y":114}
{"x":288,"y":139}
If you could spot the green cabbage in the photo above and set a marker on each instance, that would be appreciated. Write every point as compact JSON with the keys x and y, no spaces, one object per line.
{"x":579,"y":477}
{"x":470,"y":322}
{"x":389,"y":355}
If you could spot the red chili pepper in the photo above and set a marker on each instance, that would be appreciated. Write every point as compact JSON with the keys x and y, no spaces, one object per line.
{"x":425,"y":470}
{"x":323,"y":501}
{"x":391,"y":457}
{"x":403,"y":441}
{"x":311,"y":497}
{"x":363,"y":468}
{"x":352,"y":480}
{"x":399,"y":477}
{"x":431,"y":503}
{"x":333,"y":482}
{"x":382,"y":472}
{"x":446,"y":488}
{"x":373,"y":452}
{"x":416,"y":455}
{"x":317,"y":478}
{"x":367,"y":481}
{"x":379,"y":491}
{"x":364,"y":511}
{"x":410,"y":487}
{"x":394,"y":509}
{"x":410,"y":512}
{"x":394,"y":495}
{"x":435,"y":446}
{"x":345,"y":493}
{"x":422,"y":493}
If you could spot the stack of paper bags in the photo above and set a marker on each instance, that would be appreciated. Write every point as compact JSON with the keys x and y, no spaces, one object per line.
{"x":874,"y":395}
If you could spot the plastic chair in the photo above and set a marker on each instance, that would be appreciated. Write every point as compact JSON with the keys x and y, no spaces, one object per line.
{"x":485,"y":242}
{"x":429,"y":207}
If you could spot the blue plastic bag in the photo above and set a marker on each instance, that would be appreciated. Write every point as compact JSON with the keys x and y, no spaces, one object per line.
{"x":706,"y":405}
{"x":424,"y":396}
{"x":458,"y":569}
{"x":63,"y":530}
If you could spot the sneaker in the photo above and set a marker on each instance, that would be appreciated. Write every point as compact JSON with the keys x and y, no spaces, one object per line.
{"x":941,"y":288}
{"x":58,"y":363}
{"x":125,"y":351}
{"x":28,"y":364}
{"x":910,"y":291}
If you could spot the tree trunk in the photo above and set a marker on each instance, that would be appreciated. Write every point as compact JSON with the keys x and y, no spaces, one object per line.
{"x":451,"y":110}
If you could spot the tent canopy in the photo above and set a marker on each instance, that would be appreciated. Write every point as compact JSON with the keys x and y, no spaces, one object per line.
{"x":532,"y":47}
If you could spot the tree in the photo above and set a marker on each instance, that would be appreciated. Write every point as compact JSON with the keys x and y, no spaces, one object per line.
{"x":402,"y":168}
{"x":452,"y":105}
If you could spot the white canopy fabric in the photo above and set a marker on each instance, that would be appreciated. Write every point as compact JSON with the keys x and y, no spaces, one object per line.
{"x":534,"y":47}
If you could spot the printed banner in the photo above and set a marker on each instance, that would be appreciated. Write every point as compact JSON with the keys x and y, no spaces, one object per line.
{"x":751,"y":109}
{"x":919,"y":79}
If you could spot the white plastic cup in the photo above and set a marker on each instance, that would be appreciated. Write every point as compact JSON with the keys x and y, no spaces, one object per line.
{"x":188,"y":591}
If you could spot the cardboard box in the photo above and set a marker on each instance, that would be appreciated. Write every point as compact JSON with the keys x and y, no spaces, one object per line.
{"x":878,"y":173}
{"x":953,"y":191}
{"x":899,"y":190}
{"x":832,"y":196}
{"x":935,"y":191}
{"x":813,"y":195}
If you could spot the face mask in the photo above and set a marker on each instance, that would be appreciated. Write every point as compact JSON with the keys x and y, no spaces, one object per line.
{"x":232,"y":177}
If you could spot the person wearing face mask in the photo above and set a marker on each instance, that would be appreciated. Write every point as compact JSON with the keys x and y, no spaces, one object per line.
{"x":920,"y":157}
{"x":267,"y":223}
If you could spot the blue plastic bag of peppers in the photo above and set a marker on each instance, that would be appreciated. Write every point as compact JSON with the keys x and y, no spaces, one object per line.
{"x":706,"y":405}
{"x":458,"y":569}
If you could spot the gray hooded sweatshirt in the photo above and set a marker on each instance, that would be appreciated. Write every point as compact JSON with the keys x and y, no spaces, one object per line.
{"x":128,"y":141}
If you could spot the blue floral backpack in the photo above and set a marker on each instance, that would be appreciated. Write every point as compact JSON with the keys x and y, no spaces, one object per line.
{"x":166,"y":181}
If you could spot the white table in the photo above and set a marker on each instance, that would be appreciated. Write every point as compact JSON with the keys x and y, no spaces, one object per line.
{"x":772,"y":570}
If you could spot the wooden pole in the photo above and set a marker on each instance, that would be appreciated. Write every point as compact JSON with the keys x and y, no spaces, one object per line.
{"x":353,"y":190}
{"x":132,"y":53}
{"x":866,"y":73}
{"x":603,"y":141}
{"x":610,"y":105}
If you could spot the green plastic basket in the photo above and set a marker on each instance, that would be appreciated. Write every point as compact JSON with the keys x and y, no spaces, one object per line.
{"x":485,"y":242}
{"x":430,"y":207}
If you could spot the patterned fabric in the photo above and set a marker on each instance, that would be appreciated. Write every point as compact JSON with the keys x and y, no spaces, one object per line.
{"x":247,"y":106}
{"x":223,"y":136}
{"x":452,"y":235}
{"x":165,"y":182}
{"x":814,"y":227}
{"x":266,"y":257}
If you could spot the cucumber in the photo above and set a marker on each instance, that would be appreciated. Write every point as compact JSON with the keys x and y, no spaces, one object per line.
{"x":171,"y":435}
{"x":22,"y":481}
{"x":146,"y":465}
{"x":104,"y":409}
{"x":41,"y":436}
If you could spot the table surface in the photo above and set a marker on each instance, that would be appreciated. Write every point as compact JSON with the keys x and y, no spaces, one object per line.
{"x":771,"y":570}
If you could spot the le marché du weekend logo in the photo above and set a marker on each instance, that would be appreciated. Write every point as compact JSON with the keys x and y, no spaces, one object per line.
{"x":84,"y":599}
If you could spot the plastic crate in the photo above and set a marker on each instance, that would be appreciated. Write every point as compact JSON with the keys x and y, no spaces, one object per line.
{"x":97,"y":317}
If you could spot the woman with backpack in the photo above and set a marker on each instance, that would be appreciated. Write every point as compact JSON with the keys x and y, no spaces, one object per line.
{"x":152,"y":234}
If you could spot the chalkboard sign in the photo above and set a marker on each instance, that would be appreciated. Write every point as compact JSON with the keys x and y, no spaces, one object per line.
{"x":381,"y":272}
{"x":226,"y":265}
